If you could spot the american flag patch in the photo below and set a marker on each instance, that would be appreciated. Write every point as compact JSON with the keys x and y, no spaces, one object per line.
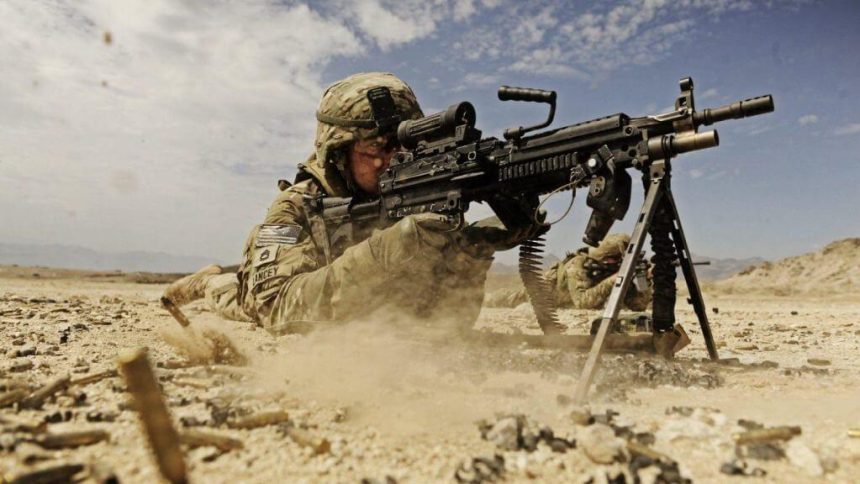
{"x":272,"y":234}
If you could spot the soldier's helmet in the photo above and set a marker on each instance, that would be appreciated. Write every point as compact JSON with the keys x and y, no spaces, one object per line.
{"x":345,"y":113}
{"x":613,"y":245}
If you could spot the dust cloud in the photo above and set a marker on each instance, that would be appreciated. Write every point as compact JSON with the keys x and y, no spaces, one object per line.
{"x":404,"y":375}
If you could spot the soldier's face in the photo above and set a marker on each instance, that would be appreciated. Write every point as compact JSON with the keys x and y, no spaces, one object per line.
{"x":367,"y":160}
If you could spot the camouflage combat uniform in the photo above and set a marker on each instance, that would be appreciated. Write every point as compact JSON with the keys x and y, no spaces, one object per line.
{"x":578,"y":281}
{"x":288,"y":279}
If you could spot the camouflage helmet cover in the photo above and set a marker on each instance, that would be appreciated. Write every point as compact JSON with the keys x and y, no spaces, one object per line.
{"x":613,"y":245}
{"x":347,"y":99}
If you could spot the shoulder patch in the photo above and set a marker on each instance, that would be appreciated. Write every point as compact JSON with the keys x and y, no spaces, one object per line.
{"x":274,"y":234}
{"x":265,"y":254}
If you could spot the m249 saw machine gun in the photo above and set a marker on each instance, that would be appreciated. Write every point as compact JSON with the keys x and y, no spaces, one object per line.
{"x":446,"y":164}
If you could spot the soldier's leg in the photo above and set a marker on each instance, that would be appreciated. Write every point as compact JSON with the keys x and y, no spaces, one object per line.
{"x":221,"y":294}
{"x":191,"y":287}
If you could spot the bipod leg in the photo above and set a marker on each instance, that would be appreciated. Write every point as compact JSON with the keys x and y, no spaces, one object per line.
{"x":690,"y":277}
{"x":619,"y":289}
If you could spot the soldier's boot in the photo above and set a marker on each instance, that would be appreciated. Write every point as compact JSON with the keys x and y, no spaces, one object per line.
{"x":190,"y":288}
{"x":668,"y":343}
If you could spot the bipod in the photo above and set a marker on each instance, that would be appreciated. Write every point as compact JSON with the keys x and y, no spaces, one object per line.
{"x":659,"y":206}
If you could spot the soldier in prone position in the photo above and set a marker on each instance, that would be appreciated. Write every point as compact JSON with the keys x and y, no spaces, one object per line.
{"x":422,"y":264}
{"x":583,"y":280}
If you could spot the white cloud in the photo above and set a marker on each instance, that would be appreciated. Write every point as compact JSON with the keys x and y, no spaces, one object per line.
{"x":557,"y":38}
{"x":709,"y":93}
{"x":195,"y":97}
{"x":463,"y":9}
{"x":807,"y":119}
{"x":852,"y":128}
{"x":475,"y":79}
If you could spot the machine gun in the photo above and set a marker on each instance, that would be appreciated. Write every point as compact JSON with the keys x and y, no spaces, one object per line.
{"x":446,"y":164}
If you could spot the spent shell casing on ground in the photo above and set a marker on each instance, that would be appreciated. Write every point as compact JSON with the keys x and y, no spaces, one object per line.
{"x":37,"y":398}
{"x":177,"y":313}
{"x":71,"y":439}
{"x":162,"y":435}
{"x":86,"y":380}
{"x":198,"y":438}
{"x":766,"y":435}
{"x":50,"y":473}
{"x":260,"y":419}
{"x":304,"y":438}
{"x":12,"y":397}
{"x":637,"y":449}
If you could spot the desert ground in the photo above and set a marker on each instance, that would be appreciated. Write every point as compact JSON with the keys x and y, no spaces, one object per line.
{"x":389,"y":400}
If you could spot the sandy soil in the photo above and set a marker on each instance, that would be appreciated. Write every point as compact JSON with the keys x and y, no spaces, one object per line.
{"x":399,"y":400}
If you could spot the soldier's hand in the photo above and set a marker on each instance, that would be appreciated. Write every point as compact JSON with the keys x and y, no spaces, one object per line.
{"x":493,"y":236}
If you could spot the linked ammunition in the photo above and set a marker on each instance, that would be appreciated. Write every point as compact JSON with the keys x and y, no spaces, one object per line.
{"x":163,"y":438}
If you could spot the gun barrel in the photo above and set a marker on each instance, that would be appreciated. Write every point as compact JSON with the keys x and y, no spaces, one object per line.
{"x":670,"y":145}
{"x":741,"y":109}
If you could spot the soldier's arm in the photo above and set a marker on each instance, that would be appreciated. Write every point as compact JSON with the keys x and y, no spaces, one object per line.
{"x":276,"y":250}
{"x":585,"y":292}
{"x":594,"y":297}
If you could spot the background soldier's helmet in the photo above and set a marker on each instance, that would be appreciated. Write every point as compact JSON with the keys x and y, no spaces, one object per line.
{"x":345,"y":104}
{"x":613,"y":245}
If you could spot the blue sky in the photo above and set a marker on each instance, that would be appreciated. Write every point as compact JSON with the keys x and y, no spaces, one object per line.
{"x":171,"y":136}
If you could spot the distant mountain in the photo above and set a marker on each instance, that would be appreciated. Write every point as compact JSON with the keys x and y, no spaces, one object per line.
{"x":508,"y":268}
{"x":834,"y":269}
{"x":74,"y":257}
{"x":721,"y":268}
{"x":716,"y":270}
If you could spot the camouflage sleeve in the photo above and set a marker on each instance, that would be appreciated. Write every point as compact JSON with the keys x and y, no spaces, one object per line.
{"x":276,"y":250}
{"x":556,"y":277}
{"x":586,"y":293}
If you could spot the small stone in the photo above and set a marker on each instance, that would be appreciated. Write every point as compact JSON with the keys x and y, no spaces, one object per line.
{"x":101,"y":416}
{"x":505,"y":434}
{"x":581,"y":416}
{"x":761,"y":451}
{"x":738,"y":467}
{"x":481,"y":469}
{"x":600,"y":444}
{"x":59,"y":416}
{"x":804,"y":458}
